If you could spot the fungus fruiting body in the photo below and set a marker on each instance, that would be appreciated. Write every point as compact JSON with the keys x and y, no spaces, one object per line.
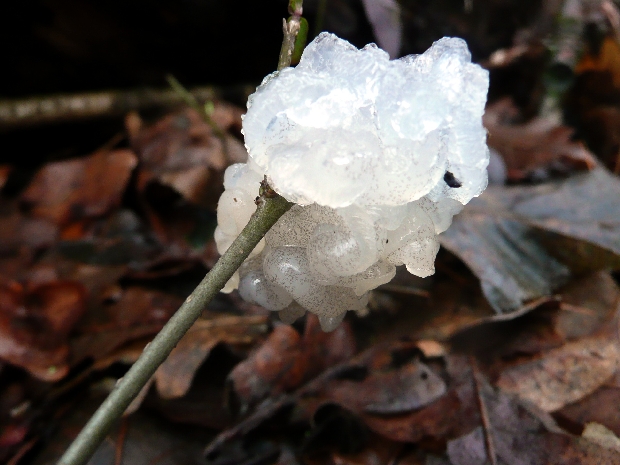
{"x":377,"y":155}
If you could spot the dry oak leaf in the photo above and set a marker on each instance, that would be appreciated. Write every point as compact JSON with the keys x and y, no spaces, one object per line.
{"x":287,"y":359}
{"x":520,"y":435}
{"x":536,"y":144}
{"x":182,"y":152}
{"x":174,"y":377}
{"x":81,"y":188}
{"x":35,"y":324}
{"x":523,"y":242}
{"x":602,"y":406}
{"x":566,"y":374}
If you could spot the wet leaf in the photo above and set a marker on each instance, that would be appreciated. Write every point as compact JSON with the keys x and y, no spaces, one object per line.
{"x":35,"y":324}
{"x":602,"y":406}
{"x":401,"y":390}
{"x":500,"y":235}
{"x":82,"y":188}
{"x":441,"y":417}
{"x":18,"y":230}
{"x":519,"y":435}
{"x":395,"y":394}
{"x":275,"y":367}
{"x":587,"y":303}
{"x":286,"y":359}
{"x":528,"y":330}
{"x":134,"y":313}
{"x":540,"y":144}
{"x":174,"y":377}
{"x":119,"y":239}
{"x":566,"y":374}
{"x":182,"y":152}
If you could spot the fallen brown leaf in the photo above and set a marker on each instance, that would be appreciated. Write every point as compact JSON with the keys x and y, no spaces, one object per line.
{"x":523,"y":241}
{"x":602,"y":406}
{"x":174,"y":377}
{"x":134,"y":314}
{"x":396,"y":391}
{"x":523,"y":436}
{"x":82,"y":188}
{"x":35,"y":325}
{"x":588,"y":303}
{"x":182,"y":152}
{"x":18,"y":230}
{"x":566,"y":374}
{"x":536,"y":144}
{"x":286,"y":359}
{"x":5,"y":171}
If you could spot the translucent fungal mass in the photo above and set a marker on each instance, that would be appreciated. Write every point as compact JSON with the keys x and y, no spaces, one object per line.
{"x":378,"y":156}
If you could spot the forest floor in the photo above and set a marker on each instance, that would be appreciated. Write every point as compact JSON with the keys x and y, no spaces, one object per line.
{"x":509,"y":354}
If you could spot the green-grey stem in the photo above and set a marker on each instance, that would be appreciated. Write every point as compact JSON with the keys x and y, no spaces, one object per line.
{"x":270,"y":208}
{"x":291,"y":29}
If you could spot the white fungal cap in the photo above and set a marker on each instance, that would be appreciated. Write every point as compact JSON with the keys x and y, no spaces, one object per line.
{"x":350,"y":127}
{"x":379,"y":155}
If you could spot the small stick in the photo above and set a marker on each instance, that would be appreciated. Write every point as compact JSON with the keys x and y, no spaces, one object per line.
{"x":72,"y":107}
{"x":270,"y":208}
{"x":290,"y":28}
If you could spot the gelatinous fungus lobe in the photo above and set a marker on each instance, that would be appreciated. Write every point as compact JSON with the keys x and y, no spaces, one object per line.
{"x":378,"y":155}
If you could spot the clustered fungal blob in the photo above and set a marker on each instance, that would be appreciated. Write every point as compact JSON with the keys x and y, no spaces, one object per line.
{"x":377,"y":155}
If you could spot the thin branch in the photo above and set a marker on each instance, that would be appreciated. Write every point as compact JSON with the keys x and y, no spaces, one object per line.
{"x":72,"y":107}
{"x":190,"y":100}
{"x":291,"y":29}
{"x":270,"y":208}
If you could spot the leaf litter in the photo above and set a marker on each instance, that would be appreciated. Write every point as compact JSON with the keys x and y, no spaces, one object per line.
{"x":508,"y":355}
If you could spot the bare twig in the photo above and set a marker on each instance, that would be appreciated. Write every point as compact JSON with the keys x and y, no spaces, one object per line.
{"x":71,"y":107}
{"x":291,"y":29}
{"x":270,"y":208}
{"x":190,"y":99}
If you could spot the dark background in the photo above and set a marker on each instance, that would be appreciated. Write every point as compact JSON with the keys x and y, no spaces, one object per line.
{"x":68,"y":46}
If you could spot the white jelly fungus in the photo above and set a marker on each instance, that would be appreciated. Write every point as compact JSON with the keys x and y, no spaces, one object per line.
{"x":378,"y":155}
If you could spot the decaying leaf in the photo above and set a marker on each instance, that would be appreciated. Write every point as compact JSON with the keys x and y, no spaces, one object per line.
{"x":286,"y":359}
{"x":35,"y":324}
{"x":500,"y":235}
{"x":81,"y":188}
{"x":519,"y":435}
{"x":602,"y":406}
{"x":401,"y":390}
{"x":174,"y":377}
{"x":538,"y":144}
{"x":134,"y":314}
{"x":566,"y":374}
{"x":17,"y":229}
{"x":182,"y":152}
